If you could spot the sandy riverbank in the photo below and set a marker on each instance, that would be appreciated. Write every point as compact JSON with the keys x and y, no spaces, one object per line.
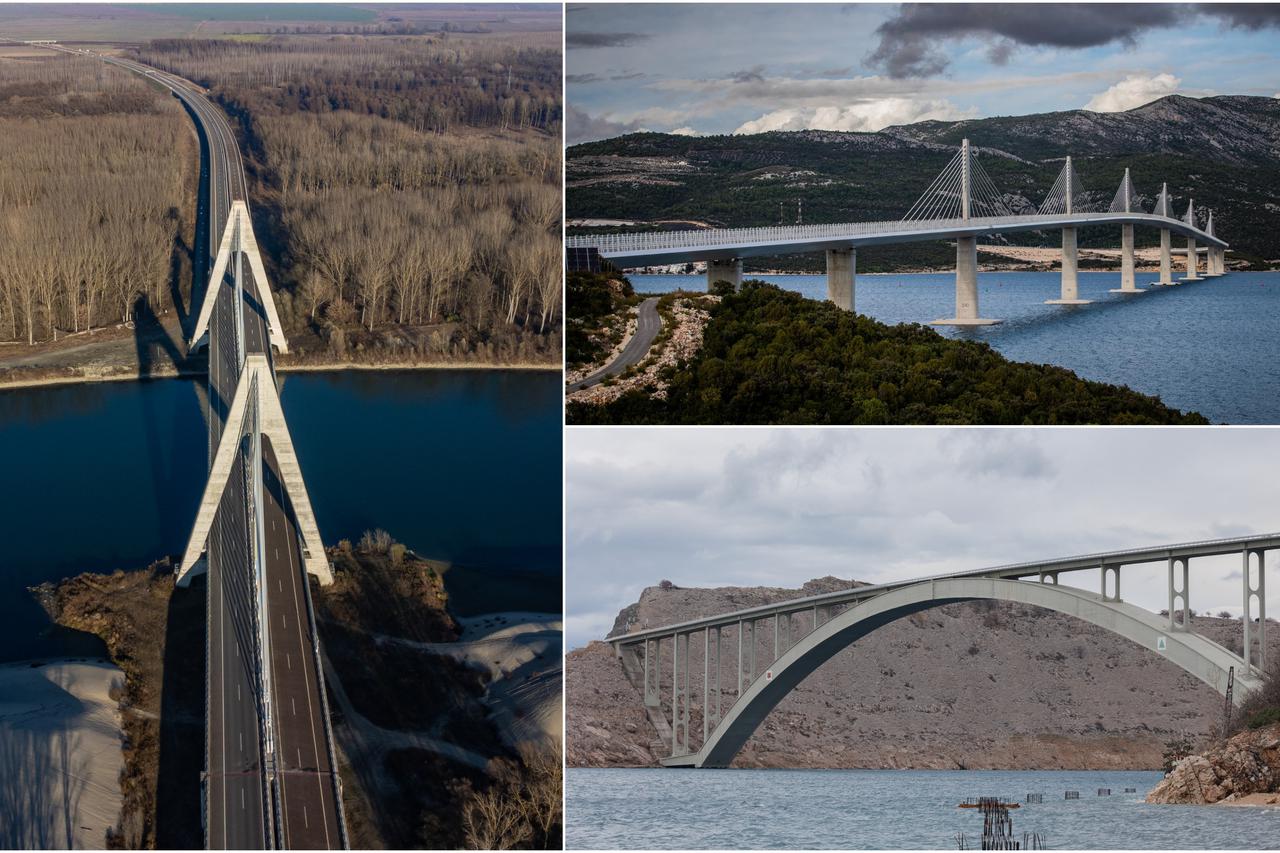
{"x":170,"y":373}
{"x":60,"y":754}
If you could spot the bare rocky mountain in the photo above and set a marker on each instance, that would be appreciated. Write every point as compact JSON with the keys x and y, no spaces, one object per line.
{"x":976,"y":685}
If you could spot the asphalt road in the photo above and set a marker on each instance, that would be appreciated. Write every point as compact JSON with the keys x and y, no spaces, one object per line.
{"x":236,"y":790}
{"x":648,"y":324}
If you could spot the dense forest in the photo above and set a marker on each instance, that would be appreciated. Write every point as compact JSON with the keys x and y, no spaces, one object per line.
{"x":772,"y":356}
{"x":97,"y":173}
{"x":400,"y":182}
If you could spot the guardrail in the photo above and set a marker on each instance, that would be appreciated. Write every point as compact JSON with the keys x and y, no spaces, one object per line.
{"x":625,"y":244}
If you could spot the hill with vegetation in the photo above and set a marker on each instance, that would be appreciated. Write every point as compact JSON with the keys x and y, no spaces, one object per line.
{"x":1222,"y":151}
{"x":773,"y":356}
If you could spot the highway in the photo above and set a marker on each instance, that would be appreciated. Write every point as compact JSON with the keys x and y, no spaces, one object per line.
{"x":648,"y":324}
{"x":242,"y":811}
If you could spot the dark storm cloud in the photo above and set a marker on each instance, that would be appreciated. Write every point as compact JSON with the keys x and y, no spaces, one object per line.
{"x":1247,"y":16}
{"x":583,"y":79}
{"x":911,"y":42}
{"x":750,"y":75}
{"x":586,"y":40}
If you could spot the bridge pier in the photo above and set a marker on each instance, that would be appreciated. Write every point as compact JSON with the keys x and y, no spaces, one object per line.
{"x":1255,"y":607}
{"x":1213,"y":262}
{"x":1070,"y":272}
{"x":1127,"y":282}
{"x":842,"y":270}
{"x":966,"y":286}
{"x":1166,"y":258}
{"x":1179,"y":569}
{"x":725,"y":270}
{"x":1192,"y":261}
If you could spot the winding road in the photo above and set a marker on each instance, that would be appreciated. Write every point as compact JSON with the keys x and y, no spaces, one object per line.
{"x":648,"y":324}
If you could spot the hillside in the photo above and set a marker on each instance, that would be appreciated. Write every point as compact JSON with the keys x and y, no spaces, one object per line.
{"x":978,"y":685}
{"x":1223,"y":151}
{"x":770,"y":356}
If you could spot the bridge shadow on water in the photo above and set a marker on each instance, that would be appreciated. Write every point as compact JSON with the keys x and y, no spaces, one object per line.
{"x":182,"y":721}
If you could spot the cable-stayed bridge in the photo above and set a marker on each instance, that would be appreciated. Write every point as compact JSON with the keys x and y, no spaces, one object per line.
{"x":270,"y":779}
{"x":708,"y":683}
{"x":961,"y":205}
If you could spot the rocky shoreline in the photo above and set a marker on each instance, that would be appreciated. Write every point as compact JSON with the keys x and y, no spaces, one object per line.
{"x":1243,"y":770}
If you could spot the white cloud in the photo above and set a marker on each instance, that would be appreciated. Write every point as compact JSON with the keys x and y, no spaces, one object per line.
{"x":867,"y":116}
{"x":687,"y":131}
{"x":1133,"y":91}
{"x":777,"y":507}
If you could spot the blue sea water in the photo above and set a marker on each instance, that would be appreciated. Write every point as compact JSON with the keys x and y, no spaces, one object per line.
{"x":1211,"y":346}
{"x":888,"y":810}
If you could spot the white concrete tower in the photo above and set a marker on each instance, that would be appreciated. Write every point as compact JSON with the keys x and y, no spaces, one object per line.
{"x":1128,"y":283}
{"x":1192,"y":260}
{"x":1070,"y":292}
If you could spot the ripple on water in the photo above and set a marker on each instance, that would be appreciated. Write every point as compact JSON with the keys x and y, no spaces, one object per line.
{"x":887,"y":809}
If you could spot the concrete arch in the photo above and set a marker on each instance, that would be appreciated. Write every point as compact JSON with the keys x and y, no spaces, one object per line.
{"x":1197,"y":655}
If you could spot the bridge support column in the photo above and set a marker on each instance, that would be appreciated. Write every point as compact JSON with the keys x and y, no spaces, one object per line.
{"x":1111,"y":573}
{"x":1255,"y":607}
{"x":1070,"y":272}
{"x":842,"y":271}
{"x":1192,"y":261}
{"x":1166,"y":258}
{"x":730,"y":271}
{"x":1179,"y":596}
{"x":1213,"y":262}
{"x":966,"y":286}
{"x":1128,"y":283}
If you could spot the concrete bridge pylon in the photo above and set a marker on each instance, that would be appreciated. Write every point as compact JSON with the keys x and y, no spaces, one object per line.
{"x":257,"y":381}
{"x":237,"y":238}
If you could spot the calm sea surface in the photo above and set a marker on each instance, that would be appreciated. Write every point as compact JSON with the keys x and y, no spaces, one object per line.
{"x":888,"y":809}
{"x":1209,"y":346}
{"x":461,"y":465}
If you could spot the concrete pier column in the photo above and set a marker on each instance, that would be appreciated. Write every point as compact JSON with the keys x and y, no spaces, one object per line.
{"x":966,"y":286}
{"x":1166,"y":257}
{"x":1127,"y":282}
{"x":1192,"y":261}
{"x":1255,"y":609}
{"x":842,"y":270}
{"x":1213,"y":262}
{"x":1070,"y":272}
{"x":725,"y":270}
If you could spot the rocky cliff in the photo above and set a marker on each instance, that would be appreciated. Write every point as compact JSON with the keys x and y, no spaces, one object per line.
{"x":1244,"y":769}
{"x":977,"y":685}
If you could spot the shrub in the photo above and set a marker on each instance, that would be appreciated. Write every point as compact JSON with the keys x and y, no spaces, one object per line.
{"x":1175,"y":751}
{"x":397,"y":554}
{"x":1264,"y":717}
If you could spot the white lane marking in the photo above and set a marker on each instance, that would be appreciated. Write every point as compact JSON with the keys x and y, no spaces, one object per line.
{"x":241,"y":744}
{"x":288,"y":659}
{"x":299,"y":757}
{"x":242,"y":799}
{"x":305,"y":822}
{"x":294,"y":706}
{"x":284,"y":622}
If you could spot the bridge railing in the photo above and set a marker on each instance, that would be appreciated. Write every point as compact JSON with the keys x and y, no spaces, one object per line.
{"x":625,"y":244}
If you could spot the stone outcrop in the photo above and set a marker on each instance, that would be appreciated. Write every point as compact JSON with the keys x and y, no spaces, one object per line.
{"x":1246,"y":764}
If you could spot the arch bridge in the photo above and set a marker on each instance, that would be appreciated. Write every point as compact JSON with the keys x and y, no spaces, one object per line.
{"x":768,"y":650}
{"x":961,"y":205}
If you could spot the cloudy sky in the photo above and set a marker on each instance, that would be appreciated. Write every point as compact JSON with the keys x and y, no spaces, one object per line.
{"x":725,"y":68}
{"x":778,"y":507}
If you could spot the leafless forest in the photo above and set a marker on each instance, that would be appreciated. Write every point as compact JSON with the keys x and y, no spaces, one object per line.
{"x":96,"y":172}
{"x":408,"y":188}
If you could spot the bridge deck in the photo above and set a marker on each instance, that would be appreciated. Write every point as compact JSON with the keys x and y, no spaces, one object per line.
{"x":1012,"y":571}
{"x":673,"y":247}
{"x":310,"y":811}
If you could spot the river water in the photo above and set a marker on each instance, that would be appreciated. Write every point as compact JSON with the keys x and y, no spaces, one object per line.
{"x":460,"y":465}
{"x":889,"y":809}
{"x":1207,"y":346}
